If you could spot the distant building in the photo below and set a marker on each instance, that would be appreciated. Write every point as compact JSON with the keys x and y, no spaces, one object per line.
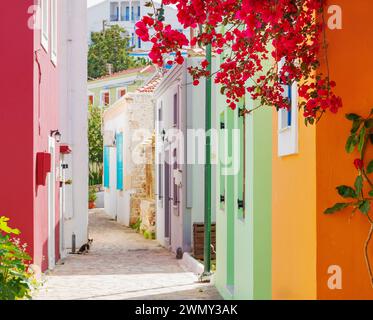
{"x":126,"y":14}
{"x":105,"y":91}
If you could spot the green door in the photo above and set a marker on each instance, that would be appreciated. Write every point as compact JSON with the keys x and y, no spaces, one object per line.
{"x":230,"y":199}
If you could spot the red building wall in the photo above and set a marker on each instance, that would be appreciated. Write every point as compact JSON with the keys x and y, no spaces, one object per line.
{"x":16,"y":118}
{"x":340,"y":237}
{"x":28,"y":112}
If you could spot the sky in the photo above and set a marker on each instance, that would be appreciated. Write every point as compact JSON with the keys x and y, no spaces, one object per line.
{"x":91,"y":3}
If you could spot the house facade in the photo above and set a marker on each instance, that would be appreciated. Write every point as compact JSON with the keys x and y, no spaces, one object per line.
{"x":128,"y":128}
{"x":180,"y":156}
{"x":243,"y":200}
{"x":105,"y":91}
{"x":307,"y":244}
{"x":126,"y":14}
{"x":33,"y":188}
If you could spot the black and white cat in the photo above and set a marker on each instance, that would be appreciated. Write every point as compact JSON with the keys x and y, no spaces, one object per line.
{"x":85,"y":247}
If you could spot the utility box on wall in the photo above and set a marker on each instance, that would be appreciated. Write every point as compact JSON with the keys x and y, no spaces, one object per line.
{"x":43,"y":167}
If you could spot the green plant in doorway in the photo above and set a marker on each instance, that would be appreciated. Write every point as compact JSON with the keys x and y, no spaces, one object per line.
{"x":136,"y":226}
{"x":359,"y":197}
{"x":17,"y":280}
{"x":96,"y":145}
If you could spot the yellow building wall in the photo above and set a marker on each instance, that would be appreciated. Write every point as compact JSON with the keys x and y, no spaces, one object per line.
{"x":294,"y":217}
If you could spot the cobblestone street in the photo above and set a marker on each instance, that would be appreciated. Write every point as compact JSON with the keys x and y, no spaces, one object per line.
{"x":122,"y":265}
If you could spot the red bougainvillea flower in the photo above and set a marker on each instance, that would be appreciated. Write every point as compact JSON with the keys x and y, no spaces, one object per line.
{"x":359,"y":164}
{"x":242,"y":31}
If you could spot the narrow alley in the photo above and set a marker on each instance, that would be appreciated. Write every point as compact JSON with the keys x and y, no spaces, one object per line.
{"x":122,"y":265}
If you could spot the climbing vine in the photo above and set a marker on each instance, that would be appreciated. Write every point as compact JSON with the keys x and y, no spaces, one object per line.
{"x":250,"y":35}
{"x":360,"y":196}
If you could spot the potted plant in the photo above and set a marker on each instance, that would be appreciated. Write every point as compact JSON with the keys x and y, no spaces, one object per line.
{"x":91,"y":198}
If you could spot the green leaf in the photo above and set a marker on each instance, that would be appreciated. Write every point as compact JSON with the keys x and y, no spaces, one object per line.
{"x":370,"y":193}
{"x":368,"y":123}
{"x":359,"y":184}
{"x":364,"y":206}
{"x":351,"y":143}
{"x":352,"y":116}
{"x":337,"y":207}
{"x":346,"y":192}
{"x":356,"y":125}
{"x":370,"y":167}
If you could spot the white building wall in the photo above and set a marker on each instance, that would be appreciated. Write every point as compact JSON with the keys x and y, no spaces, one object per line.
{"x":97,"y":14}
{"x":72,"y":61}
{"x":131,"y":113}
{"x":192,"y":117}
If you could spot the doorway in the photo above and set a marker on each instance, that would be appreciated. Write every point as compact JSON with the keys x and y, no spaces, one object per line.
{"x":167,"y":197}
{"x":52,"y":205}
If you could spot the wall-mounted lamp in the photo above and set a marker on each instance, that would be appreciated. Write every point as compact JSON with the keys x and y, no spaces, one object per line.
{"x":56,"y":134}
{"x":163,"y":134}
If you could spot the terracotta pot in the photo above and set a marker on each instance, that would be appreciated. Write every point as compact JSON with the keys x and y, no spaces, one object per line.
{"x":91,"y":205}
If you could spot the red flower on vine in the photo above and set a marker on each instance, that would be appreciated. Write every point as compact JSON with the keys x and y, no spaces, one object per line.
{"x":359,"y":164}
{"x":291,"y":28}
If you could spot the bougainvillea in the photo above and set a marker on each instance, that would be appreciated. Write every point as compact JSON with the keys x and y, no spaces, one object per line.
{"x":252,"y":34}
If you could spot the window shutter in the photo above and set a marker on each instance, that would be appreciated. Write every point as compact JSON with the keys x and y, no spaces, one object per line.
{"x":119,"y":144}
{"x":106,"y":167}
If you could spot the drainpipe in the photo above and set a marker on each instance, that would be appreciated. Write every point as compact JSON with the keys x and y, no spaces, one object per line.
{"x":207,"y":240}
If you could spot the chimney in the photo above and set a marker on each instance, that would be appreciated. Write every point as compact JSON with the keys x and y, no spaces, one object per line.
{"x":109,"y":69}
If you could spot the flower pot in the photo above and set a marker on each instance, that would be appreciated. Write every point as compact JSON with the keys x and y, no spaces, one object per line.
{"x":91,"y":205}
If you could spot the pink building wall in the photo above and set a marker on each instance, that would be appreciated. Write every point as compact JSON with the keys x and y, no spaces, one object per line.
{"x":46,"y":111}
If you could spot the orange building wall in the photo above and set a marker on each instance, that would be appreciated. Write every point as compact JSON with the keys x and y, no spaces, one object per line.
{"x":340,"y":239}
{"x":294,"y":218}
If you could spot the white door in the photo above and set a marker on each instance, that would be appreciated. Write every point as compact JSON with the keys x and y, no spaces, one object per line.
{"x":52,"y":205}
{"x":62,"y":205}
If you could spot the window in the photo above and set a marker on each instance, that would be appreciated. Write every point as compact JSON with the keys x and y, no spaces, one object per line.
{"x":176,"y":195}
{"x":121,"y":92}
{"x":54,"y":32}
{"x":138,"y":12}
{"x":132,"y":14}
{"x":176,"y":110}
{"x":105,"y":98}
{"x":91,"y":99}
{"x":127,"y":18}
{"x":114,"y":11}
{"x":139,"y":42}
{"x":44,"y":23}
{"x":285,"y":115}
{"x":288,"y":121}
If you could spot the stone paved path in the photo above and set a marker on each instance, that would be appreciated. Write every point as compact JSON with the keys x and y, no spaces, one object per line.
{"x":122,"y":265}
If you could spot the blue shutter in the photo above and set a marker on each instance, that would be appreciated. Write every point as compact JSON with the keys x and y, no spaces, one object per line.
{"x":290,"y":96}
{"x":119,"y":144}
{"x":106,"y":167}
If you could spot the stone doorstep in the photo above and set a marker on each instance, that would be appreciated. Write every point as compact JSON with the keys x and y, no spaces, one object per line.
{"x":190,"y":264}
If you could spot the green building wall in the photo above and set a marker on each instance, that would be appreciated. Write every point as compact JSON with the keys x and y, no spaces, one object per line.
{"x":243,"y":266}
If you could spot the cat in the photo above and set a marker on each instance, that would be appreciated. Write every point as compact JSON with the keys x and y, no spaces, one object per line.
{"x":84,"y":248}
